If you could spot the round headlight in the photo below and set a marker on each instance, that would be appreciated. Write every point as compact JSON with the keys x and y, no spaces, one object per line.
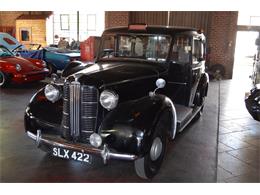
{"x":108,"y":99}
{"x":18,"y":67}
{"x":95,"y":140}
{"x":52,"y":93}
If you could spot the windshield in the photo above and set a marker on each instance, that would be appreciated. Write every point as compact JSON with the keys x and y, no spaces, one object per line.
{"x":135,"y":46}
{"x":5,"y":52}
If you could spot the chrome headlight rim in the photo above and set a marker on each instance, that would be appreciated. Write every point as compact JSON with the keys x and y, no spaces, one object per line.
{"x":108,"y":99}
{"x":18,"y":67}
{"x":52,"y":92}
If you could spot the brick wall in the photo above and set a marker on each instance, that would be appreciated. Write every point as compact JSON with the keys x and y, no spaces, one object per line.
{"x":37,"y":28}
{"x":222,"y":39}
{"x":114,"y":18}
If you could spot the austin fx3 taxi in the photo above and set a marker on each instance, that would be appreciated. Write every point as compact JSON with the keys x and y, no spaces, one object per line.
{"x":147,"y":84}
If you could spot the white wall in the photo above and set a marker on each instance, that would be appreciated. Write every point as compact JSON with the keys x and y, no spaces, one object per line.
{"x":90,"y":24}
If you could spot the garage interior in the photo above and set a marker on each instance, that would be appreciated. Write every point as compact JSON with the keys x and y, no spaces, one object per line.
{"x":222,"y":146}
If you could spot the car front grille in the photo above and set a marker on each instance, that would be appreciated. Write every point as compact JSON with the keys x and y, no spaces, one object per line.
{"x":80,"y":111}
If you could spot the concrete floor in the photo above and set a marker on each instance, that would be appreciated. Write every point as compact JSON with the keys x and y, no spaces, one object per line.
{"x":239,"y":134}
{"x":192,"y":157}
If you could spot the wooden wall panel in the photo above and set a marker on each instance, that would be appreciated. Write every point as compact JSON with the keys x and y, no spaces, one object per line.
{"x":199,"y":20}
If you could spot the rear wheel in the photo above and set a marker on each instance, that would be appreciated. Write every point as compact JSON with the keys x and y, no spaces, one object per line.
{"x":3,"y":80}
{"x":148,"y":166}
{"x":200,"y":96}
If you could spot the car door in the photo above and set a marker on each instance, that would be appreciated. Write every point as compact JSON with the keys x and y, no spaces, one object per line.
{"x":179,"y":69}
{"x":197,"y":66}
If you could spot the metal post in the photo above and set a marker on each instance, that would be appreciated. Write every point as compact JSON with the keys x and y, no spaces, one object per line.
{"x":168,"y":18}
{"x":77,"y":25}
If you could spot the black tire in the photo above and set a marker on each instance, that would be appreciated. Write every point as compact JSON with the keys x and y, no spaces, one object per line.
{"x":148,"y":166}
{"x":200,"y":102}
{"x":4,"y":81}
{"x":52,"y":69}
{"x":199,"y":114}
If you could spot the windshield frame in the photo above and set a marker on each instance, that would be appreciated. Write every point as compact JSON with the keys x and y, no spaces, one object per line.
{"x":8,"y":51}
{"x":127,"y":58}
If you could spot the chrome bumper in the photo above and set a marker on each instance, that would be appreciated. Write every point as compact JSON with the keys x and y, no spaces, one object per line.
{"x":105,"y":153}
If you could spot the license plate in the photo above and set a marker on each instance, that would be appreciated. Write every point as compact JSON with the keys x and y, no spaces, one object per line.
{"x":71,"y":155}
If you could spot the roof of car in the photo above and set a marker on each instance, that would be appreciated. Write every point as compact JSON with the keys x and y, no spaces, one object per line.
{"x":151,"y":29}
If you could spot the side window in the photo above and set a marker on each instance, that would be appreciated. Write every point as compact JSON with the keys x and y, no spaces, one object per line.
{"x":108,"y":47}
{"x":197,"y":50}
{"x":181,"y":50}
{"x":64,"y":21}
{"x":9,"y":41}
{"x":124,"y":46}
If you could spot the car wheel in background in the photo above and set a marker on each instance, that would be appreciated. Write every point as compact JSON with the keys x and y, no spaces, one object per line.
{"x":3,"y":80}
{"x":51,"y":68}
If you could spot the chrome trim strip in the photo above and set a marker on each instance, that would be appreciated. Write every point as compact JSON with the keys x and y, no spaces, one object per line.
{"x":128,"y":80}
{"x":88,"y":117}
{"x":87,"y":131}
{"x":89,"y":102}
{"x":105,"y":153}
{"x":177,"y":83}
{"x":74,"y":108}
{"x":169,"y":102}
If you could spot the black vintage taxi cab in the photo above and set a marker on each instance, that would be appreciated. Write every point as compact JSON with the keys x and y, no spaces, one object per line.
{"x":147,"y":84}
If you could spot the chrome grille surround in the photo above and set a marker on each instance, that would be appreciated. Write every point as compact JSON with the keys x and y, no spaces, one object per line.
{"x":80,"y":111}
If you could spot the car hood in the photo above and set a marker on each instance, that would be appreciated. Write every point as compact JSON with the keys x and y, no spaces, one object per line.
{"x":103,"y":74}
{"x":25,"y":64}
{"x":11,"y":44}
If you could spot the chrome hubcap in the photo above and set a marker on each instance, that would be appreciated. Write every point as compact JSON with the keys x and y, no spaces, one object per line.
{"x":156,"y":149}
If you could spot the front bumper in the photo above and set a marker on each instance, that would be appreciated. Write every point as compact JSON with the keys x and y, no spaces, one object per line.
{"x":30,"y":77}
{"x":104,"y":153}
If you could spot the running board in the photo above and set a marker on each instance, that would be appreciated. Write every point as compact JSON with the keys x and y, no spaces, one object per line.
{"x":185,"y":115}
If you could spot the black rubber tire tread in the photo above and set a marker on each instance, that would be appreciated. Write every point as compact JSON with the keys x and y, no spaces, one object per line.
{"x":144,"y":167}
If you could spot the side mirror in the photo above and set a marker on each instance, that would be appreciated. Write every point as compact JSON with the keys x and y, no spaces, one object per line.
{"x":160,"y":83}
{"x":257,"y":42}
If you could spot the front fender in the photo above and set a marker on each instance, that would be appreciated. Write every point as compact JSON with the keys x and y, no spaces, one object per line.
{"x":41,"y":111}
{"x":130,"y":126}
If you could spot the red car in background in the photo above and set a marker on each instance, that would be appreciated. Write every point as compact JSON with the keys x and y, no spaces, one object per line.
{"x":15,"y":69}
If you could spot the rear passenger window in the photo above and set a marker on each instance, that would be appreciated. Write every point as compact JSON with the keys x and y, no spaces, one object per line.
{"x":197,"y":51}
{"x":181,"y":50}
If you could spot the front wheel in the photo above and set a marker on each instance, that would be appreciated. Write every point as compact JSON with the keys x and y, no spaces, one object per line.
{"x":148,"y":166}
